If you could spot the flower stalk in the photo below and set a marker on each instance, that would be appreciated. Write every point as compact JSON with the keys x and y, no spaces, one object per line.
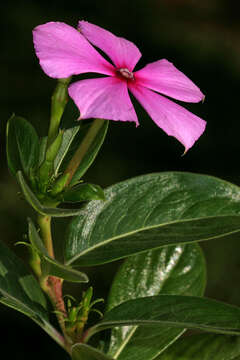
{"x":59,"y":101}
{"x":82,"y":149}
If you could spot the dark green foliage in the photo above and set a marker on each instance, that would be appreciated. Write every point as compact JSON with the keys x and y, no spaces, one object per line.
{"x":152,"y":211}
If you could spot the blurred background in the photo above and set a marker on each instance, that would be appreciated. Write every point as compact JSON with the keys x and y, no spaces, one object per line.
{"x":202,"y":39}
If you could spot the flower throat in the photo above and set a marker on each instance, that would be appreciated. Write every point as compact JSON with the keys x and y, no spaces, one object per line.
{"x":125,"y":73}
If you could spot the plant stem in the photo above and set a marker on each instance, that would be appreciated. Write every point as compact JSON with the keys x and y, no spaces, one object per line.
{"x":52,"y":285}
{"x":59,"y":101}
{"x":44,"y":222}
{"x":83,"y":148}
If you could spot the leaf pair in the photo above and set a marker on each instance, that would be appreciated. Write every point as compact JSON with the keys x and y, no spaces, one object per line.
{"x":26,"y":155}
{"x":159,"y":320}
{"x":25,"y":151}
{"x":150,"y":212}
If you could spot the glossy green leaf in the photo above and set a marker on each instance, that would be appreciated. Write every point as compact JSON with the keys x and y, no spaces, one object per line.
{"x":204,"y":347}
{"x":84,"y":192}
{"x":35,"y":203}
{"x":51,"y":266}
{"x":68,"y":137}
{"x":175,"y":311}
{"x":22,"y":145}
{"x":176,"y":269}
{"x":20,"y":291}
{"x":86,"y":352}
{"x":91,"y":152}
{"x":152,"y":211}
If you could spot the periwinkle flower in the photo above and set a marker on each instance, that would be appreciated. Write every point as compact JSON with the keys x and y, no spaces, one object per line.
{"x":64,"y":51}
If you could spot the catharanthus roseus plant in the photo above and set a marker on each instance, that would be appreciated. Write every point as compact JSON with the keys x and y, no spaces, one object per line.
{"x":153,"y":222}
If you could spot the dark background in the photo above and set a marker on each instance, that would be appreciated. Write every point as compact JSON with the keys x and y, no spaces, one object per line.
{"x":202,"y":39}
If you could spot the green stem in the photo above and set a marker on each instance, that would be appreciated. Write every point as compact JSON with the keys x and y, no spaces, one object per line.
{"x":52,"y":285}
{"x":44,"y":222}
{"x":83,"y":148}
{"x":59,"y":101}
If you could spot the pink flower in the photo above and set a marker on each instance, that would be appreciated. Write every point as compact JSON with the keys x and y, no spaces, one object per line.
{"x":64,"y":51}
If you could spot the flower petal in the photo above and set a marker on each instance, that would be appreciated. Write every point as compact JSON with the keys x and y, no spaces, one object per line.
{"x":122,"y":52}
{"x":105,"y":98}
{"x":172,"y":118}
{"x":63,"y":51}
{"x":164,"y":77}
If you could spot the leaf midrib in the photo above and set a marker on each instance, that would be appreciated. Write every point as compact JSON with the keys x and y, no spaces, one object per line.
{"x":219,"y":330}
{"x":130,"y":233}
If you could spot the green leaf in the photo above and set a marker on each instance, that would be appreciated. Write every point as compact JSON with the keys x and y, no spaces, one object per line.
{"x":22,"y":145}
{"x":204,"y":347}
{"x":51,"y":266}
{"x":152,"y":211}
{"x":86,"y":352}
{"x":35,"y":203}
{"x":68,"y":137}
{"x":83,"y":192}
{"x":176,"y":269}
{"x":45,"y":172}
{"x":91,"y":152}
{"x":175,"y":311}
{"x":42,"y":150}
{"x":20,"y":291}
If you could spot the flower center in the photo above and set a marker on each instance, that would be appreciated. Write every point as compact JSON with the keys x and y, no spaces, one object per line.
{"x":125,"y":73}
